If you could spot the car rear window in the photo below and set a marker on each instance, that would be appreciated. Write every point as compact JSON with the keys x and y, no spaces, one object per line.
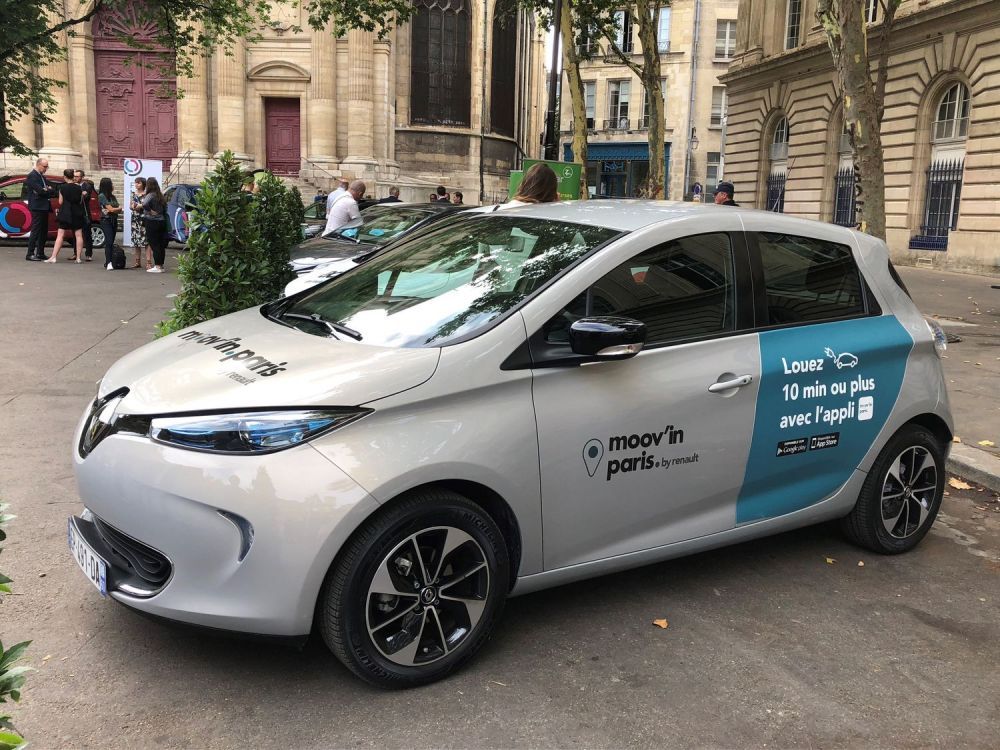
{"x":808,"y":280}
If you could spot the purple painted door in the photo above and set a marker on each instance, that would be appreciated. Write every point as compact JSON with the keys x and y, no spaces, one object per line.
{"x":281,"y":125}
{"x":136,"y":116}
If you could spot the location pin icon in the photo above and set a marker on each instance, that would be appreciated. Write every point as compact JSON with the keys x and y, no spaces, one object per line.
{"x":593,"y":452}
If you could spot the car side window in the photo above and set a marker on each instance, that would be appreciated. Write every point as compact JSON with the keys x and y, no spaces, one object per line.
{"x":808,"y":280}
{"x":682,"y":289}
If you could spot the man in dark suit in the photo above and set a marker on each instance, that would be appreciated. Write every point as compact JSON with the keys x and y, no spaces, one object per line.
{"x":393,"y":196}
{"x":39,"y":195}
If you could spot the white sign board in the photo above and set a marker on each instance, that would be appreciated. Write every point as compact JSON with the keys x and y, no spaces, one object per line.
{"x":136,"y":168}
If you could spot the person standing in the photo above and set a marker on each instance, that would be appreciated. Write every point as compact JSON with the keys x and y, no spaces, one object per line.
{"x":393,"y":196}
{"x":724,"y":194}
{"x":457,"y":198}
{"x":442,"y":194}
{"x":154,"y":219}
{"x":109,"y":217}
{"x":69,"y":217}
{"x":334,"y":195}
{"x":80,"y":178}
{"x":138,"y":229}
{"x":345,"y":208}
{"x":40,"y":195}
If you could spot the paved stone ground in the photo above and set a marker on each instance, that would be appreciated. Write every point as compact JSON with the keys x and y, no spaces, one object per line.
{"x":768,"y":643}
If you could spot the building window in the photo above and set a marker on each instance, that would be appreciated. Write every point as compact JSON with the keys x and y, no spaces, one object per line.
{"x":725,"y":39}
{"x":503,"y":74}
{"x":440,"y":75}
{"x":952,"y":121}
{"x":590,"y":97}
{"x":712,"y":173}
{"x":623,"y":32}
{"x":777,"y":167}
{"x":871,"y":11}
{"x":944,"y":175}
{"x":663,"y":31}
{"x":793,"y":24}
{"x":644,"y":123}
{"x":618,"y":98}
{"x":718,"y":106}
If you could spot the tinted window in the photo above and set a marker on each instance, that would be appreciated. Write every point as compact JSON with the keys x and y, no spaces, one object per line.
{"x":448,"y":283}
{"x":379,"y":225}
{"x":681,"y":290}
{"x":807,"y":280}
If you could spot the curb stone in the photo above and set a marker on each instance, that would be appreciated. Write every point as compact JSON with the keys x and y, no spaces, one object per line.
{"x":979,"y":466}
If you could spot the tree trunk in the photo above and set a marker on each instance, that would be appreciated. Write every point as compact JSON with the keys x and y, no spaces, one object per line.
{"x":571,"y":64}
{"x":654,"y":187}
{"x":844,"y":25}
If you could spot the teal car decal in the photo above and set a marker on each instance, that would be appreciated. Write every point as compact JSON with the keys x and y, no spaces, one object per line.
{"x":825,"y":393}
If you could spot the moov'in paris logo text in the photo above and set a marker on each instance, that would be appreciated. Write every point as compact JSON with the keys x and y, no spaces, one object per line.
{"x":132,"y":167}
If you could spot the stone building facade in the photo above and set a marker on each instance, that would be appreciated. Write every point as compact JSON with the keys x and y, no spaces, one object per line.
{"x":454,"y":97}
{"x":786,"y":150}
{"x":696,"y":40}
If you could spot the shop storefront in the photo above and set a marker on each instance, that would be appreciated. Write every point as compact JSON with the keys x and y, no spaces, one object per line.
{"x":618,"y":170}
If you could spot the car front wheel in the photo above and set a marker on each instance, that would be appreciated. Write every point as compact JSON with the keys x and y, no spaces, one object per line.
{"x":901,"y":495}
{"x":97,"y":235}
{"x":417,"y":591}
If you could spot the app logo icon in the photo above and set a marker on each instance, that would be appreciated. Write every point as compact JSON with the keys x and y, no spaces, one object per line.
{"x":593,"y":452}
{"x":132,"y":167}
{"x":866,"y":408}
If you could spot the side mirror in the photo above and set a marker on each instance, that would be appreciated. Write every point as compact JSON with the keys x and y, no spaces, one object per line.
{"x":607,"y":338}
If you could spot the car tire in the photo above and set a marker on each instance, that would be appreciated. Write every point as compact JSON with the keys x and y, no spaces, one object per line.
{"x":97,"y":235}
{"x":416,"y":591}
{"x":901,"y":496}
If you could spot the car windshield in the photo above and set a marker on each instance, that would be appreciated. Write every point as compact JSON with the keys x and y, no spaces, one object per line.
{"x":446,"y":284}
{"x":379,"y":224}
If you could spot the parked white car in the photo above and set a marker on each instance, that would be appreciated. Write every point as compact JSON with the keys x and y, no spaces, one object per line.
{"x":379,"y":456}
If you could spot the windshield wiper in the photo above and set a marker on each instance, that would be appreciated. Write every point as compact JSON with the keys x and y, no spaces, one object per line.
{"x":332,"y":327}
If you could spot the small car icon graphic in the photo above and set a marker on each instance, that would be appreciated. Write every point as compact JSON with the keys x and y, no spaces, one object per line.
{"x":846,"y":359}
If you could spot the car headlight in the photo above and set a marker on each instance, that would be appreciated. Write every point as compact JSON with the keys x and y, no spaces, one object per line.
{"x":249,"y":432}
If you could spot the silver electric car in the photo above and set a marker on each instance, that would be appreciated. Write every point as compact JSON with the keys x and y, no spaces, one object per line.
{"x":381,"y":454}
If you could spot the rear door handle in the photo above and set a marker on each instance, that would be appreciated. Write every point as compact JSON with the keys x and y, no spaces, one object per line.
{"x":728,"y":385}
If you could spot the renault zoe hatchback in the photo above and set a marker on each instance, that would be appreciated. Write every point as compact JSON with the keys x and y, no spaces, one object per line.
{"x":377,"y":457}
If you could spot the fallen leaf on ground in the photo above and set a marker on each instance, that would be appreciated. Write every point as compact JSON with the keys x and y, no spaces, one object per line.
{"x":661,"y":624}
{"x":987,"y":443}
{"x":830,"y":561}
{"x":861,"y":563}
{"x":46,"y":657}
{"x":956,"y":439}
{"x":501,"y":684}
{"x":958,"y":484}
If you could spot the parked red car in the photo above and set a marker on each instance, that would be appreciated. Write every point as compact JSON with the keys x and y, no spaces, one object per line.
{"x":15,"y":218}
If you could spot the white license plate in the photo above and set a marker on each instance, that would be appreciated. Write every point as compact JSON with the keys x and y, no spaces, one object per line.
{"x":90,"y":563}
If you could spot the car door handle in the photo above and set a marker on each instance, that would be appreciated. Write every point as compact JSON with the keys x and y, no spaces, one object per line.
{"x":728,"y":385}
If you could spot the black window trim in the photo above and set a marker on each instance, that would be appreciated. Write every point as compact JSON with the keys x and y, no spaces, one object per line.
{"x":537,"y":353}
{"x":872,"y":307}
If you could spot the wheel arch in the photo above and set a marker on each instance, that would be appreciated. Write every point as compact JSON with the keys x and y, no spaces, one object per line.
{"x":937,"y":426}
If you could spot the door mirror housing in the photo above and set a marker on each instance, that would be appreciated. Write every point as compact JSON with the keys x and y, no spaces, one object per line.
{"x":607,"y":337}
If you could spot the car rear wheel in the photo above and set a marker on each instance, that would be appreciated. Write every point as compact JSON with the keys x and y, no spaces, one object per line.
{"x":97,"y":235}
{"x":417,"y":591}
{"x":902,"y":494}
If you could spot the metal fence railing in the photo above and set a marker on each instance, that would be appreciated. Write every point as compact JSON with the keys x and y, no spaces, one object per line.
{"x":776,"y":192}
{"x":844,"y":202}
{"x":944,"y":194}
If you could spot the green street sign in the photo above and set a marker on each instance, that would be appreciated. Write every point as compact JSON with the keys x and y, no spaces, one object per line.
{"x":567,"y":173}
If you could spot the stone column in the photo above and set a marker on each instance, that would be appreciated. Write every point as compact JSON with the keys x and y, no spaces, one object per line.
{"x":57,"y":135}
{"x":381,"y":131}
{"x":192,"y":116}
{"x":360,"y":158}
{"x":24,"y":130}
{"x":231,"y":78}
{"x":323,"y":100}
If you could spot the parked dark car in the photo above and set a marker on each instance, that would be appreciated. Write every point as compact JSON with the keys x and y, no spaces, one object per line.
{"x":379,"y":224}
{"x":180,"y":200}
{"x":15,"y":218}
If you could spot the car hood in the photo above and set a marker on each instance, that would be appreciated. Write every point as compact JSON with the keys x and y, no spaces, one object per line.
{"x":246,"y":361}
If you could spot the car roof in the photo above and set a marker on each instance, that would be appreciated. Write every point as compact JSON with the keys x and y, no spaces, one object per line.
{"x":627,"y":215}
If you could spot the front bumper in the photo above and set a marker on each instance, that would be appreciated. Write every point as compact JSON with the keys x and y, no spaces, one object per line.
{"x":188,"y":507}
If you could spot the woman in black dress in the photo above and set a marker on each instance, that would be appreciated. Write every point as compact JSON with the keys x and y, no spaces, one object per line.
{"x":69,"y":216}
{"x":154,"y":219}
